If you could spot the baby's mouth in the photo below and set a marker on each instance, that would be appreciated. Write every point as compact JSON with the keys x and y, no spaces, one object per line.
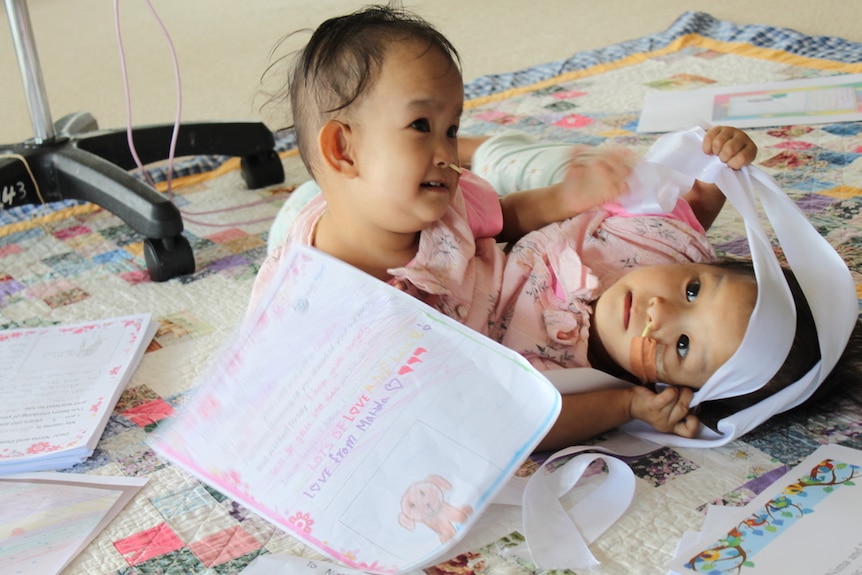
{"x":437,"y":186}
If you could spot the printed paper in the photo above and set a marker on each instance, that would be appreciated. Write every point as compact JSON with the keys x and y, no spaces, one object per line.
{"x":804,"y":523}
{"x":809,"y":101}
{"x":361,"y":420}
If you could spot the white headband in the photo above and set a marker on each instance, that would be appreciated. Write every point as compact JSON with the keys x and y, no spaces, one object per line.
{"x":822,"y":274}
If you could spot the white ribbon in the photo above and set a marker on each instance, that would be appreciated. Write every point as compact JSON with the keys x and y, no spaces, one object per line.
{"x":557,"y":538}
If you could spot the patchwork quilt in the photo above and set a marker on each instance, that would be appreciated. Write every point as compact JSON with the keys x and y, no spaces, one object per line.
{"x":70,"y":262}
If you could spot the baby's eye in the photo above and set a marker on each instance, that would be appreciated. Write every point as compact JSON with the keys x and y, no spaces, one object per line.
{"x":421,"y":124}
{"x":452,"y":132}
{"x":691,"y":290}
{"x":682,"y":346}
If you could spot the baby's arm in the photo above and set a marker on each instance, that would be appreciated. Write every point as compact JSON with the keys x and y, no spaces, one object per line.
{"x":598,"y":175}
{"x":586,"y":415}
{"x":593,"y":177}
{"x":734,"y":148}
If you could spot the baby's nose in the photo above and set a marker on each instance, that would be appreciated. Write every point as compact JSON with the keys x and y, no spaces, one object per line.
{"x":444,"y":159}
{"x":446,"y":153}
{"x":658,"y":313}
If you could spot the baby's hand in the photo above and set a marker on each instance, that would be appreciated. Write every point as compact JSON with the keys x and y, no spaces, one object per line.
{"x":595,"y":176}
{"x":666,"y":411}
{"x":731,"y":145}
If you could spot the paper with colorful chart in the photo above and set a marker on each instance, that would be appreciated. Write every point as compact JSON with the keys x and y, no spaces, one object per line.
{"x":359,"y":419}
{"x":805,"y":522}
{"x":820,"y":100}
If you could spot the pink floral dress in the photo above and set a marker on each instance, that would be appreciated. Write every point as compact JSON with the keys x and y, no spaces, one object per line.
{"x":536,"y":299}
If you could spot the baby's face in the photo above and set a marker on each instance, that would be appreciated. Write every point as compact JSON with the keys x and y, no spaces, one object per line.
{"x":697,"y":313}
{"x":403,"y":137}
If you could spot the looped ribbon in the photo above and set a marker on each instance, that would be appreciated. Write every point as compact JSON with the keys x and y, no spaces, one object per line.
{"x":557,"y":538}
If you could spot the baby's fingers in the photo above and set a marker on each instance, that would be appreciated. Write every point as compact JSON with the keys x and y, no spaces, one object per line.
{"x":687,"y":426}
{"x":595,"y":176}
{"x":716,"y":138}
{"x":738,"y":154}
{"x":731,"y":145}
{"x":678,"y":408}
{"x":617,"y":161}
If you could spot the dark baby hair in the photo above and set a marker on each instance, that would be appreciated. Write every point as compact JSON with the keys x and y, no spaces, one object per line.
{"x":341,"y":62}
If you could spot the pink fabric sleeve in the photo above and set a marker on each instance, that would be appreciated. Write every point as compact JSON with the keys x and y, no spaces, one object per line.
{"x":483,"y":206}
{"x":681,"y":212}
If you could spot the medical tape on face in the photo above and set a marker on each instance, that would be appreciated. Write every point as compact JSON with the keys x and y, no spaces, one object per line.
{"x":772,"y":325}
{"x":643,"y":357}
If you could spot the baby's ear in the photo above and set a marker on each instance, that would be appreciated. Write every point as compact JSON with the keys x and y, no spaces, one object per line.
{"x":336,"y":152}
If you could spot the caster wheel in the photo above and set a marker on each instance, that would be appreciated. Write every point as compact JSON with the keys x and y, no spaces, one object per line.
{"x":262,"y":170}
{"x":168,"y":258}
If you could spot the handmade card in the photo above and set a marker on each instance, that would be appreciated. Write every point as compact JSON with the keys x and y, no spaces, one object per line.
{"x":806,"y":522}
{"x":59,"y":385}
{"x":359,"y":419}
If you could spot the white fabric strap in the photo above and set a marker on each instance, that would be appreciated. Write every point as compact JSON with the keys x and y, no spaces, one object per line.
{"x":772,"y":325}
{"x":557,"y":538}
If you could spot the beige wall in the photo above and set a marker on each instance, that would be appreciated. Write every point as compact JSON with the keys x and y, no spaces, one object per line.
{"x":223,"y":45}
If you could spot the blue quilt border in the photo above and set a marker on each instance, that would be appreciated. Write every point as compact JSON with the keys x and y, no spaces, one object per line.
{"x":783,"y":39}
